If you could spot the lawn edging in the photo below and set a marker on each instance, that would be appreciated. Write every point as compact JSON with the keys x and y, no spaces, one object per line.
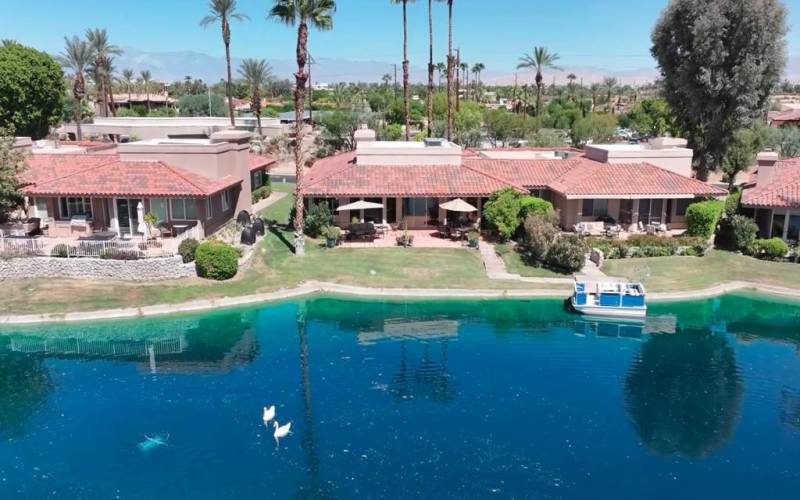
{"x":313,"y":287}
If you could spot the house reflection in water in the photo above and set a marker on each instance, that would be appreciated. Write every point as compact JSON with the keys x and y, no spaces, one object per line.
{"x":634,"y":330}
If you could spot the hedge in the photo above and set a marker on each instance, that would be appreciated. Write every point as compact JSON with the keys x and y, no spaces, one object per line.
{"x":702,"y":218}
{"x":531,"y":205}
{"x":771,"y":249}
{"x":260,"y":193}
{"x":216,"y":260}
{"x":187,"y":249}
{"x":649,"y":246}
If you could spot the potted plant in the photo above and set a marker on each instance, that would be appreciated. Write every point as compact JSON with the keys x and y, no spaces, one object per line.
{"x":151,"y":221}
{"x":332,"y":234}
{"x":405,"y":239}
{"x":473,"y":239}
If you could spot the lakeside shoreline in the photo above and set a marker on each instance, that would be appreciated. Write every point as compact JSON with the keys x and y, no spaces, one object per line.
{"x":321,"y":288}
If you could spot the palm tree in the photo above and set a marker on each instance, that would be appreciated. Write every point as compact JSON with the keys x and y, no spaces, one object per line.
{"x":103,"y":50}
{"x":540,"y":60}
{"x":387,"y":79}
{"x":127,"y":79}
{"x":224,"y":11}
{"x":610,"y":84}
{"x":465,"y":71}
{"x":450,"y":69}
{"x":595,"y":89}
{"x":146,"y":76}
{"x":319,"y":13}
{"x":256,"y":73}
{"x":406,"y":96}
{"x":441,"y":68}
{"x":77,"y":56}
{"x":571,"y":85}
{"x":431,"y":67}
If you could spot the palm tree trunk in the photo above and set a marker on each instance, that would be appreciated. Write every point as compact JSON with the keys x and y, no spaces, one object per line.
{"x":257,"y":108}
{"x":430,"y":67}
{"x":228,"y":86}
{"x":299,"y":102}
{"x":406,"y":96}
{"x":112,"y":104}
{"x":450,"y":70}
{"x":77,"y":111}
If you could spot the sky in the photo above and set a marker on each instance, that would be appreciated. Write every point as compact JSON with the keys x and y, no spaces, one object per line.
{"x":612,"y":34}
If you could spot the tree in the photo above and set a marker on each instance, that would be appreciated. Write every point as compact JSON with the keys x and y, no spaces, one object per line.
{"x":103,"y":51}
{"x":500,"y":125}
{"x":431,"y":67}
{"x":652,"y":117}
{"x":12,"y":164}
{"x":720,"y":60}
{"x":224,"y":11}
{"x":197,"y":105}
{"x":76,"y":57}
{"x":406,"y":95}
{"x":146,"y":76}
{"x":31,"y":90}
{"x":540,"y":232}
{"x":440,"y":68}
{"x":127,"y":80}
{"x":610,"y":84}
{"x":597,"y":127}
{"x":319,"y":13}
{"x":595,"y":90}
{"x":256,"y":72}
{"x":340,"y":129}
{"x":741,"y":154}
{"x":501,"y":211}
{"x":450,"y":69}
{"x":540,"y":60}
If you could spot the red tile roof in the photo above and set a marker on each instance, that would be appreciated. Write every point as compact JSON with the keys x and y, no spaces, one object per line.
{"x":258,"y":162}
{"x":782,"y":192}
{"x":575,"y":178}
{"x":340,"y":176}
{"x":791,"y":115}
{"x":592,"y":178}
{"x":107,"y":175}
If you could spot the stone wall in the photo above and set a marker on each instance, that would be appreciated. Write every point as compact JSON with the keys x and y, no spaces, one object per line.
{"x":126,"y":270}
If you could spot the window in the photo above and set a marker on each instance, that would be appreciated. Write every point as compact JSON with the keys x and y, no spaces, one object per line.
{"x":650,"y":211}
{"x":793,"y":233}
{"x":778,"y":221}
{"x":71,"y":207}
{"x":158,"y":206}
{"x":209,"y":207}
{"x":41,"y":208}
{"x":681,"y":206}
{"x":225,"y":196}
{"x":258,"y":180}
{"x":595,"y":208}
{"x":183,"y":208}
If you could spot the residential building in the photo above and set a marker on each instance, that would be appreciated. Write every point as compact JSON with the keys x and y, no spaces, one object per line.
{"x":197,"y":184}
{"x":135,"y":128}
{"x":773,"y":197}
{"x":648,"y":184}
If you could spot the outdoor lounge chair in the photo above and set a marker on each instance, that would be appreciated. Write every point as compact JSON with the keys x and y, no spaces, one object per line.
{"x":365,"y":231}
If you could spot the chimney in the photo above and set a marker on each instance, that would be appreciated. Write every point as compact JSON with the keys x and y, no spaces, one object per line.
{"x":766,"y":161}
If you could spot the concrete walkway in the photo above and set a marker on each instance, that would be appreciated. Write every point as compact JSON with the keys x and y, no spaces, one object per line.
{"x":269,"y":200}
{"x":313,"y":287}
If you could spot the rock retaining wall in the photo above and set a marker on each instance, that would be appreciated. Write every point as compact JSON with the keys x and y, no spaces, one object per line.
{"x":126,"y":270}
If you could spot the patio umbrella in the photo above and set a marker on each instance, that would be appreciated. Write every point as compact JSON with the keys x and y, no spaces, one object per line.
{"x":359,"y":205}
{"x":458,"y":205}
{"x":142,"y":228}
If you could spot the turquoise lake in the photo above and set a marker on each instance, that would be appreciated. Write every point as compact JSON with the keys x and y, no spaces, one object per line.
{"x":450,"y":399}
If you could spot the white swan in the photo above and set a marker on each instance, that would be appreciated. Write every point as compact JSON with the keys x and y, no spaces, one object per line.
{"x":281,"y":431}
{"x":269,"y":414}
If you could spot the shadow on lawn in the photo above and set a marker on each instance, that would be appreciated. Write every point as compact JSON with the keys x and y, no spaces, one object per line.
{"x":278,"y":230}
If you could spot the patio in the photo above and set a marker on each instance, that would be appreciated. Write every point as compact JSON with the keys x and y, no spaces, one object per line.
{"x":98,"y":245}
{"x":423,"y":238}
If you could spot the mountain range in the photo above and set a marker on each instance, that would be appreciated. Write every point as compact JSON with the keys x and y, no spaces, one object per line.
{"x":172,"y":66}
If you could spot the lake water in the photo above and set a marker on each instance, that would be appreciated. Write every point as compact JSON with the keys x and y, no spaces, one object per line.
{"x":451,"y":399}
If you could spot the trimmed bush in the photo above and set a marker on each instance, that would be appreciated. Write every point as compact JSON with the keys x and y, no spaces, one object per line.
{"x":568,"y":252}
{"x":739,"y":233}
{"x":63,"y":250}
{"x":649,"y":246}
{"x":317,"y":219}
{"x":216,"y":260}
{"x":771,"y":249}
{"x":732,"y":204}
{"x":540,"y":232}
{"x":260,"y":194}
{"x":501,"y":212}
{"x":702,"y":217}
{"x":529,"y":205}
{"x":187,"y":249}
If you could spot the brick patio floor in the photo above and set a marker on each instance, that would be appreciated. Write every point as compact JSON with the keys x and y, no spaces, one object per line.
{"x":423,"y":238}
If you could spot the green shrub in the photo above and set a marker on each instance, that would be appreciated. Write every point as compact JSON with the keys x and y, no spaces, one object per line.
{"x":216,"y":260}
{"x":568,"y":252}
{"x":187,"y":249}
{"x":530,"y":205}
{"x":739,"y":233}
{"x":260,"y":193}
{"x":540,"y":232}
{"x":63,"y":250}
{"x":702,"y":217}
{"x":732,"y":204}
{"x":771,"y":249}
{"x":317,"y":219}
{"x":501,"y":212}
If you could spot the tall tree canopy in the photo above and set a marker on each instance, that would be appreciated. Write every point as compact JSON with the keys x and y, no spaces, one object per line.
{"x":720,"y":60}
{"x":31,"y":90}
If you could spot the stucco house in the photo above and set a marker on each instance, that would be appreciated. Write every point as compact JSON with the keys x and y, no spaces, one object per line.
{"x":773,"y":197}
{"x":189,"y":184}
{"x":651,"y":183}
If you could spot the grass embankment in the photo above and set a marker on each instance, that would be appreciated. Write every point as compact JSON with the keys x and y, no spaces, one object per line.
{"x":515,"y":265}
{"x":667,"y":274}
{"x":273,"y":267}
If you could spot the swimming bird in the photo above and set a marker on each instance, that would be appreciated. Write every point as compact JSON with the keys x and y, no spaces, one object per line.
{"x":281,"y":431}
{"x":269,"y":414}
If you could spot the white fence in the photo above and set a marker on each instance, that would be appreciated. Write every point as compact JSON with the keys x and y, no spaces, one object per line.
{"x":99,"y":249}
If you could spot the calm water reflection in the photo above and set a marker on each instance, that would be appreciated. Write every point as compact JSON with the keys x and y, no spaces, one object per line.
{"x":443,"y":399}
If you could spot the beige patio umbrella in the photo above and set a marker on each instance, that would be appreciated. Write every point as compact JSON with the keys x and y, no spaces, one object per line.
{"x":359,"y":205}
{"x":458,"y":205}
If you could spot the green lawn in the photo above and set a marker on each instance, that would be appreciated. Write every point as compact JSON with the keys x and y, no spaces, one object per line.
{"x":272,"y":268}
{"x":662,"y":274}
{"x":515,"y":265}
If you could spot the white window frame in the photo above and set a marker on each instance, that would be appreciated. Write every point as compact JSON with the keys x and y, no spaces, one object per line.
{"x":225,"y":199}
{"x":84,"y":201}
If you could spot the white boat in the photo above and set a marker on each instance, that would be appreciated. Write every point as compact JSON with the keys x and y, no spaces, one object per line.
{"x":609,"y":299}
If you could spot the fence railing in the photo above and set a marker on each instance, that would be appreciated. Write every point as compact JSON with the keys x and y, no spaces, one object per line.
{"x":99,"y":249}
